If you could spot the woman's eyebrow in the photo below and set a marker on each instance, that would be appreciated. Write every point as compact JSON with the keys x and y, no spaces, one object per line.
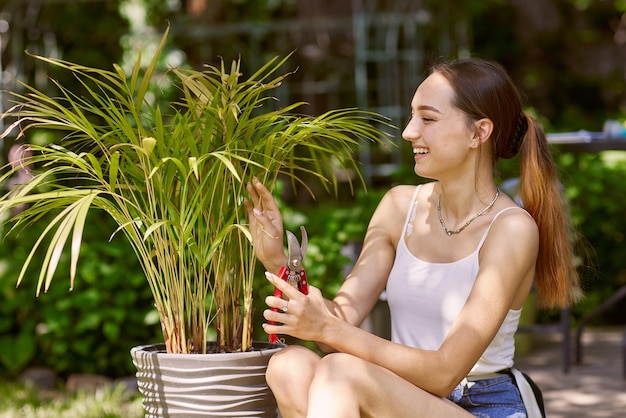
{"x":430,"y":108}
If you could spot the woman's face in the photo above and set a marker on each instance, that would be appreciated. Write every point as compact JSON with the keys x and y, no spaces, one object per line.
{"x":438,"y":132}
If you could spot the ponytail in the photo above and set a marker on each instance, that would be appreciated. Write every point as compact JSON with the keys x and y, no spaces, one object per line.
{"x":556,"y":276}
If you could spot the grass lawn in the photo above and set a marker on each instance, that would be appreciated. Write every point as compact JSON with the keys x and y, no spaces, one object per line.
{"x":24,"y":401}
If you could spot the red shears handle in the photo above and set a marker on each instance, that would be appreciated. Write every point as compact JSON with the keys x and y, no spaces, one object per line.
{"x":302,"y":285}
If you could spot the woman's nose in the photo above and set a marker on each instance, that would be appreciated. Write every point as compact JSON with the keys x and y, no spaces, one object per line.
{"x":411,"y":131}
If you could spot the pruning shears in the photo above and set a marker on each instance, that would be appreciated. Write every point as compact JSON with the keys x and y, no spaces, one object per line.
{"x":292,"y":272}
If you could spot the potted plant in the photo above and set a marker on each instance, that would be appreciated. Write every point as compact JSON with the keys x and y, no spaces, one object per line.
{"x":173,"y":179}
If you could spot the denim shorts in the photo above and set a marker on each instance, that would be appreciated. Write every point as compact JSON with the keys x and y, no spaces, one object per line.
{"x":497,"y":397}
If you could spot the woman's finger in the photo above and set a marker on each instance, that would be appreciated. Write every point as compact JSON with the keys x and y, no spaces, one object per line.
{"x":264,"y":199}
{"x":277,"y":303}
{"x":287,"y":290}
{"x":274,"y":328}
{"x":275,"y":315}
{"x":254,"y":194}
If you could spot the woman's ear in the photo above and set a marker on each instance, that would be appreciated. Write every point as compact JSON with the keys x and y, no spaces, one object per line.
{"x":483,"y":129}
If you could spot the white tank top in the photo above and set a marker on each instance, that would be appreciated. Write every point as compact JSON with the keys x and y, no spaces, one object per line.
{"x":425,"y":299}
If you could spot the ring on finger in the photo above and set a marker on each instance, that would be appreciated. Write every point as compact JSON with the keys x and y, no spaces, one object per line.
{"x":284,"y":309}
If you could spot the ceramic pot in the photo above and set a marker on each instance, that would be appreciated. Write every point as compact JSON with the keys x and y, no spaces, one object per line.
{"x":204,"y":385}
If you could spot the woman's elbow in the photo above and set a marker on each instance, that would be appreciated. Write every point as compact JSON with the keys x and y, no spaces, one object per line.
{"x":443,"y":384}
{"x":443,"y":390}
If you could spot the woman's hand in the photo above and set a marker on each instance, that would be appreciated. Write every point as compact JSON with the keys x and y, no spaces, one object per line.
{"x":299,"y":315}
{"x":266,"y":226}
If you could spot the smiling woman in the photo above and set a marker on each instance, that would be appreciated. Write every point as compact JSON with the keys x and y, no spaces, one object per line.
{"x":455,"y":281}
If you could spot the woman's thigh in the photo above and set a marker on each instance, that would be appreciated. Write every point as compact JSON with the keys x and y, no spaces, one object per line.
{"x":342,"y":378}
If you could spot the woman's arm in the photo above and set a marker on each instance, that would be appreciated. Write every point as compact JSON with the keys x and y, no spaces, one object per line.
{"x":368,"y":278}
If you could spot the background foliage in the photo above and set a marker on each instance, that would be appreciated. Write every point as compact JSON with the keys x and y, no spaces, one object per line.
{"x":88,"y":330}
{"x":568,"y":56}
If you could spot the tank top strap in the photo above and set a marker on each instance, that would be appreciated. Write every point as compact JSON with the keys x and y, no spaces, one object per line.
{"x":408,"y":222}
{"x":484,"y":237}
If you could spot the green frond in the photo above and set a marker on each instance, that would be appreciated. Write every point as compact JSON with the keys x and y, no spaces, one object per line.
{"x":147,"y":76}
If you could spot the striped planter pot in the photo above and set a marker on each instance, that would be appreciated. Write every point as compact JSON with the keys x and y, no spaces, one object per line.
{"x":204,"y":385}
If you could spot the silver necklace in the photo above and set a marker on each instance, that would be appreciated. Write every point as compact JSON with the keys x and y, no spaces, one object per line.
{"x":456,"y":231}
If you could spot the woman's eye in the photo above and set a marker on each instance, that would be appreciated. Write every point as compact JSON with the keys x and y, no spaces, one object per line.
{"x":425,"y":119}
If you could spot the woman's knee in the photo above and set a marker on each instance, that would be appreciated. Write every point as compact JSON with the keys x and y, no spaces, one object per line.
{"x":339,"y":369}
{"x":337,"y":386}
{"x":292,"y":365}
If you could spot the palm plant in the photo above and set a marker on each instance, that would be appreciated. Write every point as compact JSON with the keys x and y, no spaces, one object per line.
{"x":173,"y":180}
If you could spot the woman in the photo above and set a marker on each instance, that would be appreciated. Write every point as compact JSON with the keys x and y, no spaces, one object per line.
{"x":457,"y":259}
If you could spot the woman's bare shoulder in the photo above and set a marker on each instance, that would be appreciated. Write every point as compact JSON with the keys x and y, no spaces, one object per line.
{"x":394,"y":207}
{"x":514,"y":222}
{"x":403,"y":193}
{"x":513,"y":218}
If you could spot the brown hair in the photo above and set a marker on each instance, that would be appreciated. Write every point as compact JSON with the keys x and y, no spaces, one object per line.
{"x":483,"y":89}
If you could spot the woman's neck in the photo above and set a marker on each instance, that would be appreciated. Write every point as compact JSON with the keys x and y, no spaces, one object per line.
{"x":459,"y":202}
